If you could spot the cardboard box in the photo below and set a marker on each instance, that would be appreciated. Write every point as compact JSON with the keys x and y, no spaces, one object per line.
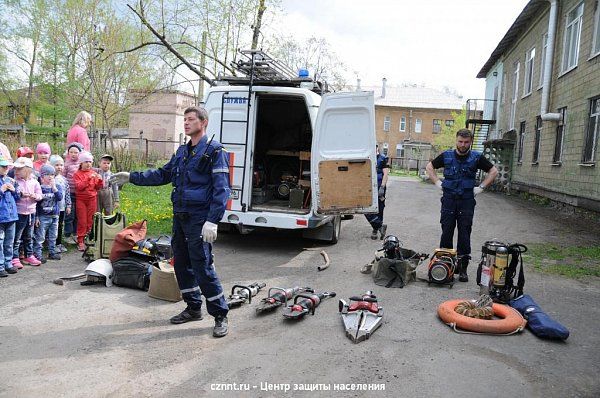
{"x":163,"y":283}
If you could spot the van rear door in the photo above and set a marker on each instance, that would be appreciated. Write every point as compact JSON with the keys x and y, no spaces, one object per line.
{"x":343,"y":156}
{"x":228,"y":118}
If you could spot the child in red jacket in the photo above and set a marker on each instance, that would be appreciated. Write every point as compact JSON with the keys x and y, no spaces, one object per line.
{"x":87,"y":185}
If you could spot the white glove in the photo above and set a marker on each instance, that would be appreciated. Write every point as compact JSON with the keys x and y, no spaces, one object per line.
{"x":477,"y":191}
{"x":119,"y":178}
{"x":438,"y":184}
{"x":209,"y":232}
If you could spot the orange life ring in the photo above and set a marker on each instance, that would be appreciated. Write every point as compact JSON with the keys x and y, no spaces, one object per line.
{"x":511,"y":320}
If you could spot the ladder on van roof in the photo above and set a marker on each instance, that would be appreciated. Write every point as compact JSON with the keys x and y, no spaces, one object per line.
{"x":260,"y":66}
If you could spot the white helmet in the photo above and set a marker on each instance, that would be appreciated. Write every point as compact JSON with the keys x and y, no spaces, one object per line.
{"x":101,"y":268}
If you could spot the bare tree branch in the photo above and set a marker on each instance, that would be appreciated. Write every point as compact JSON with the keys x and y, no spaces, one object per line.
{"x":168,"y":45}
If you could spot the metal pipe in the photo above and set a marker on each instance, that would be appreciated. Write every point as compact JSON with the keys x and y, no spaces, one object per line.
{"x":548,"y":64}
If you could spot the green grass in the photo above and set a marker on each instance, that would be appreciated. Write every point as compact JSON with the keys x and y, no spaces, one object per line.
{"x":150,"y":203}
{"x":404,"y":173}
{"x":570,"y":261}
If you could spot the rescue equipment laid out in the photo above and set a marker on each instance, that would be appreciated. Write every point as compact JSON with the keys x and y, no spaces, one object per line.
{"x":481,"y":309}
{"x":99,"y":241}
{"x":99,"y":271}
{"x":133,"y":272}
{"x":305,"y":303}
{"x":278,"y":296}
{"x":127,"y":238}
{"x":497,"y":275}
{"x":163,"y":283}
{"x":361,"y":316}
{"x":442,"y":267}
{"x":394,"y":266}
{"x":540,"y":323}
{"x":241,"y":294}
{"x":510,"y":321}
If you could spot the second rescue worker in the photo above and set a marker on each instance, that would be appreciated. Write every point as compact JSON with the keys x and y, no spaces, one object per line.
{"x":199,"y":172}
{"x":459,"y":191}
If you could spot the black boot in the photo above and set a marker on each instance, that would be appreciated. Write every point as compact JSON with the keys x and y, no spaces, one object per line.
{"x":463,"y":263}
{"x":382,"y":231}
{"x":220,"y":328}
{"x":187,"y":315}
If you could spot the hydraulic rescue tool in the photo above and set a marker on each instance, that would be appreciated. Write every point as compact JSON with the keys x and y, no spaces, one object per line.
{"x":240,"y":294}
{"x":362,"y":316}
{"x":278,"y":296}
{"x":305,"y":303}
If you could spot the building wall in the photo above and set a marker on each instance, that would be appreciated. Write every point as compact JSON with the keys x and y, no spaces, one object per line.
{"x":394,"y":136}
{"x":160,"y":117}
{"x":567,"y":181}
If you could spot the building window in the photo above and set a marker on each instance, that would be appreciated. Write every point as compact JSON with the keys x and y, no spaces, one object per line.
{"x":596,"y":40}
{"x":560,"y":135}
{"x":449,"y":123}
{"x":403,"y":123}
{"x":537,"y":139}
{"x":543,"y":57}
{"x":386,"y":123}
{"x":418,"y":123}
{"x":385,"y":148}
{"x":572,"y":36}
{"x":529,"y":65}
{"x":399,"y":150}
{"x":593,"y":130}
{"x":515,"y":95}
{"x":504,"y":90}
{"x":437,"y":126}
{"x":521,"y":142}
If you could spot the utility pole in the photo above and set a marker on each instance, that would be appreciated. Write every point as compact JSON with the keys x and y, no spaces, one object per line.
{"x":202,"y":68}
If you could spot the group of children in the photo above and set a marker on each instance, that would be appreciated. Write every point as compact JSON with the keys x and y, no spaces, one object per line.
{"x":38,"y":199}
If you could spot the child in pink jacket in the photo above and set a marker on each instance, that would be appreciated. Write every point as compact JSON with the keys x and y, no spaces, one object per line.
{"x":30,"y":192}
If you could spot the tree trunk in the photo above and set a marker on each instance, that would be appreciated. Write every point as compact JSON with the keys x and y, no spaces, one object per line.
{"x":259,"y":15}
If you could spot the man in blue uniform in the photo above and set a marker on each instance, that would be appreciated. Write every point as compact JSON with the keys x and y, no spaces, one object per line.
{"x":376,"y":219}
{"x":459,"y":191}
{"x":199,"y":173}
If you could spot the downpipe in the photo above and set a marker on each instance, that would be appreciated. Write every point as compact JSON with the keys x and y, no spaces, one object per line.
{"x":548,"y":61}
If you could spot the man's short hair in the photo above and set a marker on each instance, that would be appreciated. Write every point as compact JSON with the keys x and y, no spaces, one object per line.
{"x":465,"y":133}
{"x":199,"y":111}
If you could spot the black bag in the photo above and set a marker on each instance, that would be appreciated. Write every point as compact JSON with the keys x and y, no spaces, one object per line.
{"x":132,"y":272}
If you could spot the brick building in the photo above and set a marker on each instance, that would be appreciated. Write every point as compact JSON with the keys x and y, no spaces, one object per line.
{"x":543,"y":82}
{"x":160,"y":117}
{"x":408,"y":117}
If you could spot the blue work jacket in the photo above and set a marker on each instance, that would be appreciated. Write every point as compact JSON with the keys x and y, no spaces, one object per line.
{"x":200,"y":179}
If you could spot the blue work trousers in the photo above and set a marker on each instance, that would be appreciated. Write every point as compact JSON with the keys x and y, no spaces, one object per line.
{"x":376,"y":219}
{"x":194,"y":267}
{"x":457,"y":212}
{"x":7,"y":237}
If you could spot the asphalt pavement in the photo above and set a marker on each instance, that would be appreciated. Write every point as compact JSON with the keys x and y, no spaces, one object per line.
{"x":88,"y":341}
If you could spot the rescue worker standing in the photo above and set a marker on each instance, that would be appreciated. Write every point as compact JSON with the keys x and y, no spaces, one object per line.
{"x":199,"y":172}
{"x":376,"y":219}
{"x":459,"y":191}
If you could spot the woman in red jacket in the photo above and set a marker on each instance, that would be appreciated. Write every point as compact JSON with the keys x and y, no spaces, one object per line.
{"x":87,"y":185}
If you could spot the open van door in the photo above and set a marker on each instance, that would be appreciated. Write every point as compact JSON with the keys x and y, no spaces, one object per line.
{"x":343,"y":157}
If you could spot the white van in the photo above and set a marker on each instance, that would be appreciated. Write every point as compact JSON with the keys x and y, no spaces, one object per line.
{"x":298,"y":160}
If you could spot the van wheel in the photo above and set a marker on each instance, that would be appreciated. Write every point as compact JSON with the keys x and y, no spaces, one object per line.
{"x":337,"y":229}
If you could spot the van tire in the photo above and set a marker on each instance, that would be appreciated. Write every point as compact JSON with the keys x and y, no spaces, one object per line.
{"x":337,"y":229}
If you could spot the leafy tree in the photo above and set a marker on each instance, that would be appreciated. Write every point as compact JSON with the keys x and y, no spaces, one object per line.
{"x":447,"y":137}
